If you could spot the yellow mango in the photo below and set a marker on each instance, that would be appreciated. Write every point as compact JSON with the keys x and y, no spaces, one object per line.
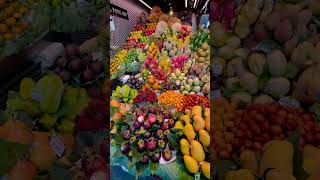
{"x":207,"y":112}
{"x":205,"y":168}
{"x":191,"y":164}
{"x":311,"y":166}
{"x":186,"y":118}
{"x":189,"y":132}
{"x":312,"y":152}
{"x":276,"y":174}
{"x":42,"y":157}
{"x":198,"y":123}
{"x":178,"y":125}
{"x":242,"y":174}
{"x":185,"y":147}
{"x":196,"y":110}
{"x":207,"y":122}
{"x":204,"y":138}
{"x":249,"y":161}
{"x":277,"y":154}
{"x":197,"y":151}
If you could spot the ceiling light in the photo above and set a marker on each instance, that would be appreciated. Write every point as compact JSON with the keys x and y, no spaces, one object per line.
{"x":186,"y":3}
{"x":145,"y":4}
{"x":195,"y":3}
{"x":171,"y":11}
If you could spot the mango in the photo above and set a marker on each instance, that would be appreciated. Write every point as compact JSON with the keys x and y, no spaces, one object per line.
{"x":191,"y":164}
{"x":204,"y":138}
{"x":185,"y":147}
{"x":207,"y":123}
{"x":277,"y":154}
{"x":242,"y":174}
{"x":198,"y":123}
{"x":40,"y":138}
{"x":205,"y":168}
{"x":207,"y":112}
{"x":42,"y":157}
{"x":186,"y":118}
{"x":311,"y":159}
{"x":196,"y":110}
{"x":178,"y":125}
{"x":276,"y":174}
{"x":248,"y":161}
{"x":197,"y":151}
{"x":189,"y":132}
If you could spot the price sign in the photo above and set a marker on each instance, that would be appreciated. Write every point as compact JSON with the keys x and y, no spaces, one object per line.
{"x":57,"y":145}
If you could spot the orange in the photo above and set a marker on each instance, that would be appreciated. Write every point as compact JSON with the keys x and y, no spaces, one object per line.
{"x":147,"y":86}
{"x":114,"y":103}
{"x":155,"y":86}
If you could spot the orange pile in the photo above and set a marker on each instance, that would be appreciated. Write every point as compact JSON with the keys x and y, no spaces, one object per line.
{"x":172,"y":98}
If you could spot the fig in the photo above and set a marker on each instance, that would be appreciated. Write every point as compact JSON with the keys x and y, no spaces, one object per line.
{"x":87,"y":75}
{"x":127,"y":134}
{"x":146,"y":125}
{"x":171,"y":123}
{"x":145,"y":159}
{"x":152,"y":144}
{"x":152,"y":110}
{"x":141,"y":146}
{"x":166,"y":133}
{"x":132,"y":139}
{"x":155,"y":157}
{"x":165,"y":125}
{"x":160,"y":119}
{"x":125,"y":148}
{"x":162,"y":143}
{"x":146,"y":134}
{"x":159,"y":134}
{"x":167,"y":116}
{"x":136,"y":125}
{"x":167,"y":155}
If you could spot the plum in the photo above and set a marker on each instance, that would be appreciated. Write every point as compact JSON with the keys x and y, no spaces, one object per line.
{"x":127,"y":134}
{"x":155,"y":157}
{"x":167,"y":154}
{"x":159,"y":134}
{"x":145,"y":159}
{"x":125,"y":148}
{"x":152,"y":144}
{"x":141,"y":146}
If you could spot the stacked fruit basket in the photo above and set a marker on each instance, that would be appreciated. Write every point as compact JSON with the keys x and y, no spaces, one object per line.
{"x":160,"y":116}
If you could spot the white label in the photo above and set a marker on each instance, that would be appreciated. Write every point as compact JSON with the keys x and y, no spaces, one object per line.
{"x":36,"y":96}
{"x":197,"y":176}
{"x":57,"y":145}
{"x":285,"y":101}
{"x":217,"y":69}
{"x":216,"y":94}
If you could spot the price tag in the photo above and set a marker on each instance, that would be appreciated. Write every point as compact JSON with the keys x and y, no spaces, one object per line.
{"x":286,"y":101}
{"x":35,"y":95}
{"x":128,"y":107}
{"x":217,"y":69}
{"x":57,"y":145}
{"x":197,"y":176}
{"x":216,"y":94}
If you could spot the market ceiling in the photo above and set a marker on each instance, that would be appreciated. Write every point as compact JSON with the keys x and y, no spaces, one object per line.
{"x":178,"y":5}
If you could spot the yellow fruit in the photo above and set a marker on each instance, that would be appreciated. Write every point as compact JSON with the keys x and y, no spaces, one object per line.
{"x":207,"y":112}
{"x":185,"y":147}
{"x":248,"y":160}
{"x":189,"y":132}
{"x":191,"y":164}
{"x":197,"y":151}
{"x":198,"y":123}
{"x":3,"y":28}
{"x":123,"y":108}
{"x":186,"y":118}
{"x":242,"y":174}
{"x":18,"y":133}
{"x":42,"y":157}
{"x":312,"y":152}
{"x":178,"y":125}
{"x":205,"y":168}
{"x":276,"y":174}
{"x":10,"y":21}
{"x":22,"y":170}
{"x":40,"y":138}
{"x":204,"y":138}
{"x":277,"y":154}
{"x":207,"y":123}
{"x":311,"y":166}
{"x":196,"y":110}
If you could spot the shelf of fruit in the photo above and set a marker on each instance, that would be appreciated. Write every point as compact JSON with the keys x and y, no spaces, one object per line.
{"x":67,"y":107}
{"x":266,"y":68}
{"x":160,"y":114}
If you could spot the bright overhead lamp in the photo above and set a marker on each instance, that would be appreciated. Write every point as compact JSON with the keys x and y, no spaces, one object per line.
{"x":171,"y":11}
{"x":145,"y":4}
{"x":186,"y":3}
{"x":195,"y":3}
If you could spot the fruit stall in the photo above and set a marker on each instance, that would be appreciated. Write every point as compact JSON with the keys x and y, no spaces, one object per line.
{"x":160,"y":108}
{"x":53,"y":123}
{"x":266,"y":91}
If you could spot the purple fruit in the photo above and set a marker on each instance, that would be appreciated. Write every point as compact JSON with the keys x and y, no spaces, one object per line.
{"x":145,"y":159}
{"x":167,"y":116}
{"x":167,"y":154}
{"x":143,"y":109}
{"x":127,"y":134}
{"x":152,"y":110}
{"x":160,"y":119}
{"x":146,"y":125}
{"x":87,"y":75}
{"x":152,"y":144}
{"x":165,"y":125}
{"x":132,"y":139}
{"x":125,"y":148}
{"x":155,"y":157}
{"x":171,"y":123}
{"x":136,"y":125}
{"x":147,"y":135}
{"x":159,"y":134}
{"x":162,"y":143}
{"x":141,"y":145}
